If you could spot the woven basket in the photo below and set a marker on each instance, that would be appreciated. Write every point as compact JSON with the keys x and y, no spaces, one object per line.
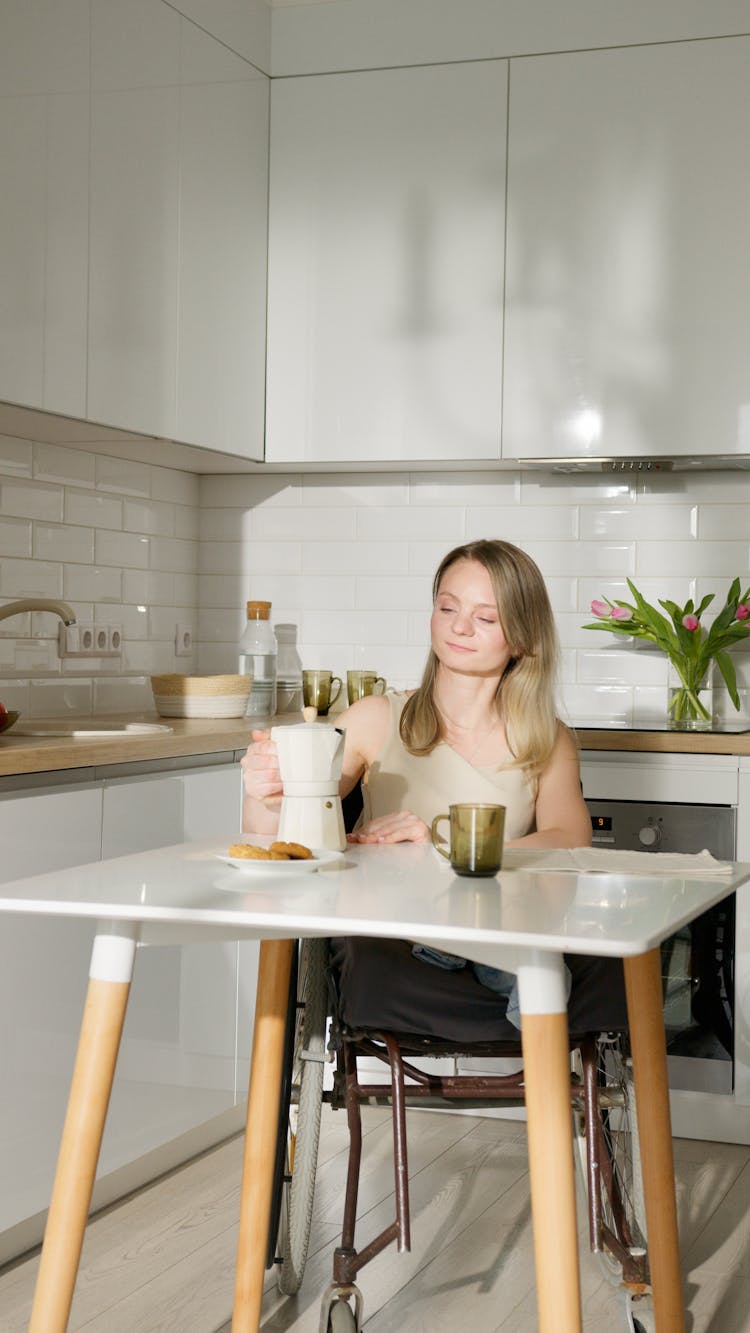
{"x":177,"y":695}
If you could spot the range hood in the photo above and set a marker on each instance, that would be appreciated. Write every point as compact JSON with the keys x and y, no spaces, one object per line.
{"x":619,"y":466}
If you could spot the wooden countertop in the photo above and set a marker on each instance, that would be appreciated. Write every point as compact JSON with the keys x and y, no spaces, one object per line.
{"x":664,"y":742}
{"x":41,"y":754}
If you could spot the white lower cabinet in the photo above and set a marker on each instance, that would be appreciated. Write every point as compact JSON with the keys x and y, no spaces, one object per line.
{"x":177,"y":1088}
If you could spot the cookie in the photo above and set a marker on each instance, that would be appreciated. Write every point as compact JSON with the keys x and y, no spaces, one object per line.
{"x":295,"y":851}
{"x":247,"y":851}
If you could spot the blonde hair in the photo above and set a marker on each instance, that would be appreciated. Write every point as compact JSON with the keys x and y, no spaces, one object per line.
{"x":526,"y":692}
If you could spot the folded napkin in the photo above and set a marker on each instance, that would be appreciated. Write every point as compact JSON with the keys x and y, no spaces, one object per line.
{"x":610,"y":861}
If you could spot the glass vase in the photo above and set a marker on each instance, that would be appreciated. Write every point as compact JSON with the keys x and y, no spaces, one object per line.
{"x":690,"y":706}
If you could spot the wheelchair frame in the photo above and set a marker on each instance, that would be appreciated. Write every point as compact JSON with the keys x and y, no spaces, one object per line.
{"x":602,"y":1099}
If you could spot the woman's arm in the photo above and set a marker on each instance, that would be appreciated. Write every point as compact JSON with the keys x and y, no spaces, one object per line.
{"x":562,"y":817}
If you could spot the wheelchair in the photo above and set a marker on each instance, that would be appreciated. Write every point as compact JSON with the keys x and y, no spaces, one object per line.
{"x":343,"y":980}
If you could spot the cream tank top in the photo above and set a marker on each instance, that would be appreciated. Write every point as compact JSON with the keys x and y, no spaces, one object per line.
{"x":428,"y":784}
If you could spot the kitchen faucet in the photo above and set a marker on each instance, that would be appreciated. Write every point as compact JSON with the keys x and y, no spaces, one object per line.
{"x":61,"y":609}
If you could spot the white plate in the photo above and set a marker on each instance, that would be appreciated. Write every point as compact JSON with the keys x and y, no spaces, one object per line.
{"x":281,"y":869}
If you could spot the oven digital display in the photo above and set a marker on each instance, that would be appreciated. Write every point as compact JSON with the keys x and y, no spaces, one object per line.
{"x":601,"y":823}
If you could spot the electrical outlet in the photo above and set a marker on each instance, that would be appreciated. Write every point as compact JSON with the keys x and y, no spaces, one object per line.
{"x":87,"y":640}
{"x":183,"y":640}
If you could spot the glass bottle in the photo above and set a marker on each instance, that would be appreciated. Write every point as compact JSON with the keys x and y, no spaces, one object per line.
{"x":258,"y":659}
{"x":288,"y":670}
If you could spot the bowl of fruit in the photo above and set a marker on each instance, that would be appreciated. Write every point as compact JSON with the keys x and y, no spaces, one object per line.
{"x":7,"y":718}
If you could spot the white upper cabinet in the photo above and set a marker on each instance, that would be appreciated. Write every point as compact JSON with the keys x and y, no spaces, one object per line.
{"x":386,"y":225}
{"x":628,"y":278}
{"x":133,"y":291}
{"x":222,"y":248}
{"x":44,"y":151}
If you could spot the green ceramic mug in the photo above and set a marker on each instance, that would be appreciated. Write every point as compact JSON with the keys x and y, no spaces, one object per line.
{"x":476,"y":838}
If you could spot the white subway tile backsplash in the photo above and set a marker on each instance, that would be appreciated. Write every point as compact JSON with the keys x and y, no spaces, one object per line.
{"x":54,"y":698}
{"x":673,"y":522}
{"x":149,"y":516}
{"x":356,"y":490}
{"x":465,"y":488}
{"x":560,"y":488}
{"x":363,"y":627}
{"x":705,"y":557}
{"x":407,"y":524}
{"x":15,"y":537}
{"x":123,"y":694}
{"x":63,"y":542}
{"x":186,"y":590}
{"x":311,"y":524}
{"x":93,"y":510}
{"x":355,"y":557}
{"x":186,"y":522}
{"x":30,"y":499}
{"x":126,"y":550}
{"x":522,"y":523}
{"x":30,"y":578}
{"x":148,"y":588}
{"x":723,"y":522}
{"x":405,"y":594}
{"x":225,"y":525}
{"x":16,"y":457}
{"x":617,"y":667}
{"x":349,"y":558}
{"x":92,"y":584}
{"x":73,"y":467}
{"x":171,"y":553}
{"x":123,"y":475}
{"x":250,"y":492}
{"x":180,"y":488}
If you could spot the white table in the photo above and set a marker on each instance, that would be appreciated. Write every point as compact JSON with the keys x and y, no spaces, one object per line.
{"x":523,"y":919}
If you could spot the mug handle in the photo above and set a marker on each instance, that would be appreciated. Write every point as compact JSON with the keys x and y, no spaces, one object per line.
{"x":435,"y":843}
{"x":335,"y":680}
{"x":379,"y":680}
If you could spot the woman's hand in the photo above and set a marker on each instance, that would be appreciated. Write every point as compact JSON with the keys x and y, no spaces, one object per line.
{"x":402,"y":826}
{"x":260,"y":768}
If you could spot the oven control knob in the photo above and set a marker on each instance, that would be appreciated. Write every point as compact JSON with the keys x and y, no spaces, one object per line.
{"x":649,"y":835}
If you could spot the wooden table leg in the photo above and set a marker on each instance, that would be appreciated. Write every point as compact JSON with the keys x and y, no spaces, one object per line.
{"x":546,"y":1064}
{"x":274,"y":970}
{"x":110,"y":975}
{"x":648,"y":1047}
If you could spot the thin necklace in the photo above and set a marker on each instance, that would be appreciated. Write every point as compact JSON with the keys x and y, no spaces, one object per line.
{"x":485,"y":737}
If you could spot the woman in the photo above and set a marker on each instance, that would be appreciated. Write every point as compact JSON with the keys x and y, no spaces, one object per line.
{"x":481,"y":726}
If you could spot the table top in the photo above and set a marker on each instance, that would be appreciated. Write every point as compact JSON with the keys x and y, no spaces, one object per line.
{"x":400,"y":891}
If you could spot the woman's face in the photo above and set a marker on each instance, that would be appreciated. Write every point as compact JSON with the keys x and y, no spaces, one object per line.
{"x":465,"y":627}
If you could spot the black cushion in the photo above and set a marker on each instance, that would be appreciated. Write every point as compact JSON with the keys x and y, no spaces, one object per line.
{"x":382,"y":986}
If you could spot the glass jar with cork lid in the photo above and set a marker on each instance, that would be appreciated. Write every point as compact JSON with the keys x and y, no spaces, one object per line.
{"x":258,"y":659}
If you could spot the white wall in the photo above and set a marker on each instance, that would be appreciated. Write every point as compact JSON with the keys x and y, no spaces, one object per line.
{"x":368,"y":34}
{"x":116,"y":539}
{"x":350,"y":558}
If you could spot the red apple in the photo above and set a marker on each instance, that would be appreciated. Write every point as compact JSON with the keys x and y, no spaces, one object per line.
{"x":3,"y":711}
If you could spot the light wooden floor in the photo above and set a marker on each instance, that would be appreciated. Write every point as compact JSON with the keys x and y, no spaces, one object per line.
{"x":162,"y":1261}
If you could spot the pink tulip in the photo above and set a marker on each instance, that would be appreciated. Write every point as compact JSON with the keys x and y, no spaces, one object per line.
{"x":691,"y":622}
{"x":742,"y":611}
{"x":600,"y":609}
{"x":621,"y":613}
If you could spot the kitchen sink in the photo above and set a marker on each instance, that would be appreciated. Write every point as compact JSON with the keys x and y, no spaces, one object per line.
{"x":80,"y":730}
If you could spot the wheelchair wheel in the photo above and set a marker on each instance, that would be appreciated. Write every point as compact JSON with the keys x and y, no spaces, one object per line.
{"x":342,"y":1319}
{"x":622,"y":1212}
{"x":302,"y":1128}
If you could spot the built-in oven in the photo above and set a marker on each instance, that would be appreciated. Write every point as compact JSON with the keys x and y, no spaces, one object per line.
{"x":697,"y":962}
